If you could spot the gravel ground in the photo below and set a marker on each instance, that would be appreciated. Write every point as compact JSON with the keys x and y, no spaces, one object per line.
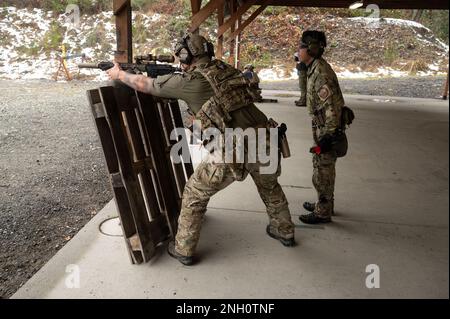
{"x":422,"y":87}
{"x":52,"y":173}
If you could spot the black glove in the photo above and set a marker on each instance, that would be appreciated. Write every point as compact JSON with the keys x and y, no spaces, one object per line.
{"x":325,"y":143}
{"x":301,"y":66}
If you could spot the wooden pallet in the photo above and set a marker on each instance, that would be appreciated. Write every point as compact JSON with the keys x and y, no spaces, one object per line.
{"x":134,"y":131}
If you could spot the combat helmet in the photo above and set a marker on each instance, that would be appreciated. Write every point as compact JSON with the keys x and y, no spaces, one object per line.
{"x":314,"y":41}
{"x":193,"y":45}
{"x":249,"y":67}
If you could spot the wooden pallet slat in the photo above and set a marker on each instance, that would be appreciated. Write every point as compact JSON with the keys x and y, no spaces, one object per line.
{"x":183,"y":170}
{"x":178,"y":122}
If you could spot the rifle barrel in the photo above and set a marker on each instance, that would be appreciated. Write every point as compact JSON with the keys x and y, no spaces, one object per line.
{"x":88,"y":66}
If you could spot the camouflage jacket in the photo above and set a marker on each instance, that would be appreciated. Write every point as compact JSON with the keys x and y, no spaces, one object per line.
{"x":324,"y":98}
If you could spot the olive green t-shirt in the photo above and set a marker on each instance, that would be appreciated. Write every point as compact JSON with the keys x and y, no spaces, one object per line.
{"x":195,"y":90}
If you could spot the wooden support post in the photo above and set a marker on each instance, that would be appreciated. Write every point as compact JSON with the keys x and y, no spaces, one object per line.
{"x":237,"y":41}
{"x":122,"y":11}
{"x":119,"y":5}
{"x":445,"y":94}
{"x":233,"y":9}
{"x":219,"y":50}
{"x":236,"y":14}
{"x":195,"y":7}
{"x":252,"y":17}
{"x":198,"y":18}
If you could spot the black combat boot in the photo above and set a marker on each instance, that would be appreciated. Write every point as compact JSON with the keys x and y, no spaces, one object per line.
{"x":311,"y":206}
{"x":288,"y":242}
{"x":313,"y":218}
{"x":185,"y":260}
{"x":301,"y":102}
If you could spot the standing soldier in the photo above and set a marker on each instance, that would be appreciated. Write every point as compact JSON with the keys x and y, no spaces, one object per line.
{"x":218,"y":95}
{"x":253,"y":79}
{"x":302,"y":76}
{"x":250,"y":74}
{"x":325,"y":104}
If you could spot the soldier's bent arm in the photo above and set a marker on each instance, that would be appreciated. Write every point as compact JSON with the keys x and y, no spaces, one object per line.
{"x":325,"y":90}
{"x":137,"y":81}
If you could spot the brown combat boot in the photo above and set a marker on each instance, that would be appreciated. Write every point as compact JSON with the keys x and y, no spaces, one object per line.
{"x":310,"y":207}
{"x":286,"y":241}
{"x":185,"y":260}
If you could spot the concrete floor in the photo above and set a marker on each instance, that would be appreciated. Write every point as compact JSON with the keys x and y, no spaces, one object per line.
{"x":391,"y":210}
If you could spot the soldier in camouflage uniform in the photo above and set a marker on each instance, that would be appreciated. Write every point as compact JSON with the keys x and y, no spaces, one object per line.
{"x":220,"y":97}
{"x":324,"y":103}
{"x":253,"y":78}
{"x":302,"y":77}
{"x":251,"y":75}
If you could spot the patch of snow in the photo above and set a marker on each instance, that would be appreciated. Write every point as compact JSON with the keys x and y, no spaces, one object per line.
{"x":384,"y":101}
{"x":387,"y":72}
{"x":430,"y":73}
{"x":392,"y":21}
{"x":437,"y":43}
{"x":403,"y":23}
{"x":276,"y":74}
{"x":89,"y":52}
{"x":391,"y":72}
{"x":346,"y":74}
{"x":433,"y":67}
{"x":442,"y":44}
{"x":155,"y":17}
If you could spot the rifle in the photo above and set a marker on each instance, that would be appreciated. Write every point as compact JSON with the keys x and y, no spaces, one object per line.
{"x":144,"y":63}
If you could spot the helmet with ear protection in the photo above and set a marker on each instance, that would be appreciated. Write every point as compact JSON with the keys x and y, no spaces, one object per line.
{"x":193,"y":45}
{"x":249,"y":67}
{"x":314,"y":41}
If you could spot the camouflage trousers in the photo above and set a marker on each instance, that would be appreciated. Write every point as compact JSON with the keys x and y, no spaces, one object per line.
{"x":324,"y":174}
{"x":207,"y":180}
{"x":302,"y":78}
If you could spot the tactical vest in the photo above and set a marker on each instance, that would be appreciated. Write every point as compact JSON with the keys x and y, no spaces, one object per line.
{"x":231,"y":92}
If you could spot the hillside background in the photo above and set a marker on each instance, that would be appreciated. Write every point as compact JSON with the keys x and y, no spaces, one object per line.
{"x":31,"y":33}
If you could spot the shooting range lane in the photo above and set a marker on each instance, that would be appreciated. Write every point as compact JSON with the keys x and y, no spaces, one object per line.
{"x":391,"y":210}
